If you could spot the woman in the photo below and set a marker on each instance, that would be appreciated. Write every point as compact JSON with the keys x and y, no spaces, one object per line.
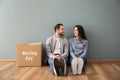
{"x":78,"y":50}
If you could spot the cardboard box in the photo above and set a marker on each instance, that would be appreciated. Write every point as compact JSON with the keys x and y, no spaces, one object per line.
{"x":29,"y":54}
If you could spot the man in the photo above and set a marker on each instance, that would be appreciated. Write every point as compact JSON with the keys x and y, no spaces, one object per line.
{"x":57,"y":51}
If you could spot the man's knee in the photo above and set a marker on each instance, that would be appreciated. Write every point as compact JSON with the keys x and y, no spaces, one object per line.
{"x":50,"y":61}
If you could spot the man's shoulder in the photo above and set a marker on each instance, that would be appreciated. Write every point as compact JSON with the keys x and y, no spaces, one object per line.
{"x":65,"y":38}
{"x":50,"y":38}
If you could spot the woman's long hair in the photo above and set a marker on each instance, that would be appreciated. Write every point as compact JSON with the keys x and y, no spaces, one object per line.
{"x":81,"y":31}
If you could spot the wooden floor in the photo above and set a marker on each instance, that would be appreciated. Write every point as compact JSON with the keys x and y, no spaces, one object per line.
{"x":94,"y":71}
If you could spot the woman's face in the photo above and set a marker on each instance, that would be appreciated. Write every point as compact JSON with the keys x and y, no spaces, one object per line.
{"x":76,"y":34}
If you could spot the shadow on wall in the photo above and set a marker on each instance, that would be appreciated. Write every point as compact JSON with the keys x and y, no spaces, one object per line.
{"x":44,"y":56}
{"x":69,"y":32}
{"x":91,"y":36}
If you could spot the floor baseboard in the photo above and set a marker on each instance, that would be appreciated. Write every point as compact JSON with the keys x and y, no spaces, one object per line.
{"x":89,"y":61}
{"x":103,"y":61}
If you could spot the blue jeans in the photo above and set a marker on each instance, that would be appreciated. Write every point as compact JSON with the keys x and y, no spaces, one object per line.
{"x":51,"y":61}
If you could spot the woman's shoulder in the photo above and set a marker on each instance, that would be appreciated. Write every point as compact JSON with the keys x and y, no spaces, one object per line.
{"x":71,"y":39}
{"x":85,"y":41}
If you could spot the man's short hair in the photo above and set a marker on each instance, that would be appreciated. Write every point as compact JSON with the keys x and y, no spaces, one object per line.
{"x":57,"y":26}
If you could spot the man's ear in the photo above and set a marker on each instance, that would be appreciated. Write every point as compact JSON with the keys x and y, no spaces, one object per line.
{"x":57,"y":30}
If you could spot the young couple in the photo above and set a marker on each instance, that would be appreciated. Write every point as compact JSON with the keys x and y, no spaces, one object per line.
{"x":58,"y":48}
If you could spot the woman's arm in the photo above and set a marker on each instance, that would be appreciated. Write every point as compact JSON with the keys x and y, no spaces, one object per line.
{"x":71,"y":49}
{"x":85,"y":50}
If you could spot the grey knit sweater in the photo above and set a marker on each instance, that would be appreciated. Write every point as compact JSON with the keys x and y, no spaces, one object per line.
{"x":51,"y":43}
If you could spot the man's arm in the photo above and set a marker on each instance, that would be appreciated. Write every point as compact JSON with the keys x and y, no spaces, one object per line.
{"x":66,"y":48}
{"x":48,"y":48}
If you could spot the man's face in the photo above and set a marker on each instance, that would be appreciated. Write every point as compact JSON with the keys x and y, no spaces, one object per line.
{"x":61,"y":31}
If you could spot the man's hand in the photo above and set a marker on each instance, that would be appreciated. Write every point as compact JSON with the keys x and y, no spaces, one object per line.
{"x":58,"y":57}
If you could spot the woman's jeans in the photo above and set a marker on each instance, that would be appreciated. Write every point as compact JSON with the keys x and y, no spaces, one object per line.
{"x":84,"y":62}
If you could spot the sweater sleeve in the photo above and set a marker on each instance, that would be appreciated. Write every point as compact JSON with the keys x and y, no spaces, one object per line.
{"x":66,"y":48}
{"x":85,"y":50}
{"x":48,"y":49}
{"x":71,"y":49}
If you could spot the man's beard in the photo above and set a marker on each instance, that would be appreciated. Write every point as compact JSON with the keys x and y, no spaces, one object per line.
{"x":61,"y":34}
